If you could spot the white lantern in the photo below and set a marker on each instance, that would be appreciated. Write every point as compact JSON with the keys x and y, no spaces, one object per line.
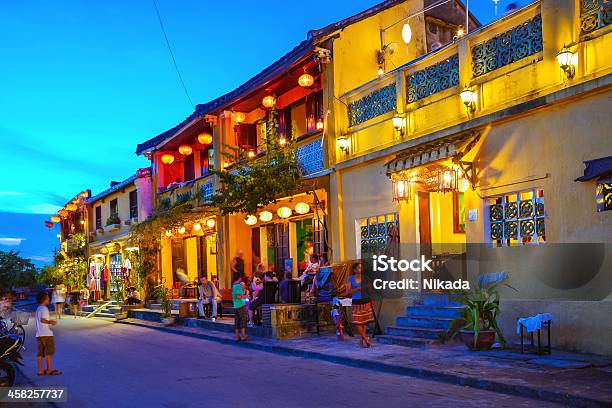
{"x":406,"y":33}
{"x":302,"y":208}
{"x":250,"y":220}
{"x":265,"y":216}
{"x":284,"y":212}
{"x":210,"y":223}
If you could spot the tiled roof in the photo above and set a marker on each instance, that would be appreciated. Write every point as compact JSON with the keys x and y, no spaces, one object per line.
{"x":111,"y":190}
{"x":299,"y":52}
{"x":219,"y":103}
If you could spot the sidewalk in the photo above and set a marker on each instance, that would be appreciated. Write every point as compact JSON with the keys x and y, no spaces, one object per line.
{"x":567,"y":378}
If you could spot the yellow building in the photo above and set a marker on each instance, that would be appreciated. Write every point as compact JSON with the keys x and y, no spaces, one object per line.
{"x":471,"y":151}
{"x":110,"y":215}
{"x":417,"y":126}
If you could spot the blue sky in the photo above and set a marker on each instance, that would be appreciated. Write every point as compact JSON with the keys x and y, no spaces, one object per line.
{"x":83,"y":82}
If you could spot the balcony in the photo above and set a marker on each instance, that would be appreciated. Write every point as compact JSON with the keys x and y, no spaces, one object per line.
{"x":194,"y":192}
{"x":504,"y":64}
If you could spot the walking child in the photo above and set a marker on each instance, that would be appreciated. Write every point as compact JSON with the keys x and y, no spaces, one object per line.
{"x":44,"y":336}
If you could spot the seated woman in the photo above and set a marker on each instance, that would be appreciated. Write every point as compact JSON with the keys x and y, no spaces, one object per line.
{"x":309,"y":274}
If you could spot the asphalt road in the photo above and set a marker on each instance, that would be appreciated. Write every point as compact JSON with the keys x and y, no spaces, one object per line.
{"x":111,"y":365}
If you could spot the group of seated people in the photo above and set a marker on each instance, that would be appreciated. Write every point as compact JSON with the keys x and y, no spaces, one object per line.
{"x":210,"y":299}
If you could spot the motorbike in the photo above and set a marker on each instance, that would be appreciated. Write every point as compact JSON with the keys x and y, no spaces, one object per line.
{"x":10,"y":345}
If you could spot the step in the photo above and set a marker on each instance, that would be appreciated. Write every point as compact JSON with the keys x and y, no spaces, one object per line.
{"x":416,"y":332}
{"x":434,"y":311}
{"x":406,"y":341}
{"x":424,"y":322}
{"x":157,"y":306}
{"x":437,"y":299}
{"x":105,"y":315}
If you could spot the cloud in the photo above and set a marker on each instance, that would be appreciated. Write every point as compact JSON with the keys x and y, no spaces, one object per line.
{"x":41,"y":258}
{"x":11,"y":241}
{"x":4,"y":193}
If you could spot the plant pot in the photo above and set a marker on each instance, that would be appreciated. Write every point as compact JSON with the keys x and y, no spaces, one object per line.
{"x":485,"y":341}
{"x":168,"y":321}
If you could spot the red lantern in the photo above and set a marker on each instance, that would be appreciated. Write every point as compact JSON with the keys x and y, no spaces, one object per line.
{"x":48,"y":224}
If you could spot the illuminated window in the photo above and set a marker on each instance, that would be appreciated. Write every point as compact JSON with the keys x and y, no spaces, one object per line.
{"x":516,"y":218}
{"x":604,"y":196}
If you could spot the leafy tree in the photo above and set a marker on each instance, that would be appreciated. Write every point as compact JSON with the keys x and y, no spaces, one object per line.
{"x":15,"y":270}
{"x":252,"y":184}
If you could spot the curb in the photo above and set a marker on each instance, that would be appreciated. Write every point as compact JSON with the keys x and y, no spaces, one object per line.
{"x":479,"y":383}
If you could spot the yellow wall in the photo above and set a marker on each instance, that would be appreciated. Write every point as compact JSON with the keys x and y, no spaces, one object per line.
{"x":191,"y":257}
{"x":166,"y":261}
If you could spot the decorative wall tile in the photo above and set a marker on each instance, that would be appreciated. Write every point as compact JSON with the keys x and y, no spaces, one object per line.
{"x":433,"y":79}
{"x":377,"y":103}
{"x":594,"y":14}
{"x":513,"y":45}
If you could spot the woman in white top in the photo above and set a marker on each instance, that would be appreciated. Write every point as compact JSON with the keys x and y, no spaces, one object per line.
{"x":59,"y":299}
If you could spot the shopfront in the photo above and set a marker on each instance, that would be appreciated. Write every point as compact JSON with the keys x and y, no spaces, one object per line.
{"x":282,"y":236}
{"x":189,"y":252}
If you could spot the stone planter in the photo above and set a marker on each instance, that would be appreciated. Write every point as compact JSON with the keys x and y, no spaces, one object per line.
{"x":112,"y":227}
{"x":168,"y":321}
{"x":485,"y":341}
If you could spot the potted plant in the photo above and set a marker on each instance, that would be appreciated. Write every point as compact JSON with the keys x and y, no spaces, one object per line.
{"x":163,"y":296}
{"x":113,"y":223}
{"x":478,"y":324}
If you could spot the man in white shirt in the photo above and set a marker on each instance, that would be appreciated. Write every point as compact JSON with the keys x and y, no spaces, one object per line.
{"x":44,"y":335}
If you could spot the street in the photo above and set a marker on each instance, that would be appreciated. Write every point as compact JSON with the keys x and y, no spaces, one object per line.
{"x":106,"y":364}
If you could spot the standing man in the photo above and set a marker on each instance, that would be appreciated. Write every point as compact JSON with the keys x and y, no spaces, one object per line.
{"x":208,"y":295}
{"x":237,"y":265}
{"x":44,"y":336}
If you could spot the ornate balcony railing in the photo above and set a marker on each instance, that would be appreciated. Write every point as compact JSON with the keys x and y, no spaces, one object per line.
{"x":594,"y":14}
{"x":513,"y":45}
{"x":432,"y":79}
{"x":195,"y":192}
{"x":376,"y":103}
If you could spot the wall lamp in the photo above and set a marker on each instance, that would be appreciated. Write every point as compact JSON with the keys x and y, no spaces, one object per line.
{"x":344,"y":143}
{"x":567,"y":60}
{"x":398,"y":124}
{"x":468,"y":97}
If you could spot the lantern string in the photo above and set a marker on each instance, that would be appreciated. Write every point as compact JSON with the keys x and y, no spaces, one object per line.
{"x":161,"y":24}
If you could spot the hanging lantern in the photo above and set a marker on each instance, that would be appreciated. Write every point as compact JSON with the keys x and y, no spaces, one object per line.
{"x":55,"y":219}
{"x":49,"y":224}
{"x":282,"y":141}
{"x":265,"y":216}
{"x":306,"y":80}
{"x":319,"y":125}
{"x":447,"y":179}
{"x":284,"y":212}
{"x":63,"y":213}
{"x":402,"y":188}
{"x":210,"y":223}
{"x":197,"y":226}
{"x":182,"y":230}
{"x":205,"y":138}
{"x":269,"y":101}
{"x":167,"y":158}
{"x":251,"y":154}
{"x":185,"y":150}
{"x":302,"y":208}
{"x":239,"y":117}
{"x":71,"y":207}
{"x":250,"y":220}
{"x":406,"y":33}
{"x":464,"y":185}
{"x":168,"y":233}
